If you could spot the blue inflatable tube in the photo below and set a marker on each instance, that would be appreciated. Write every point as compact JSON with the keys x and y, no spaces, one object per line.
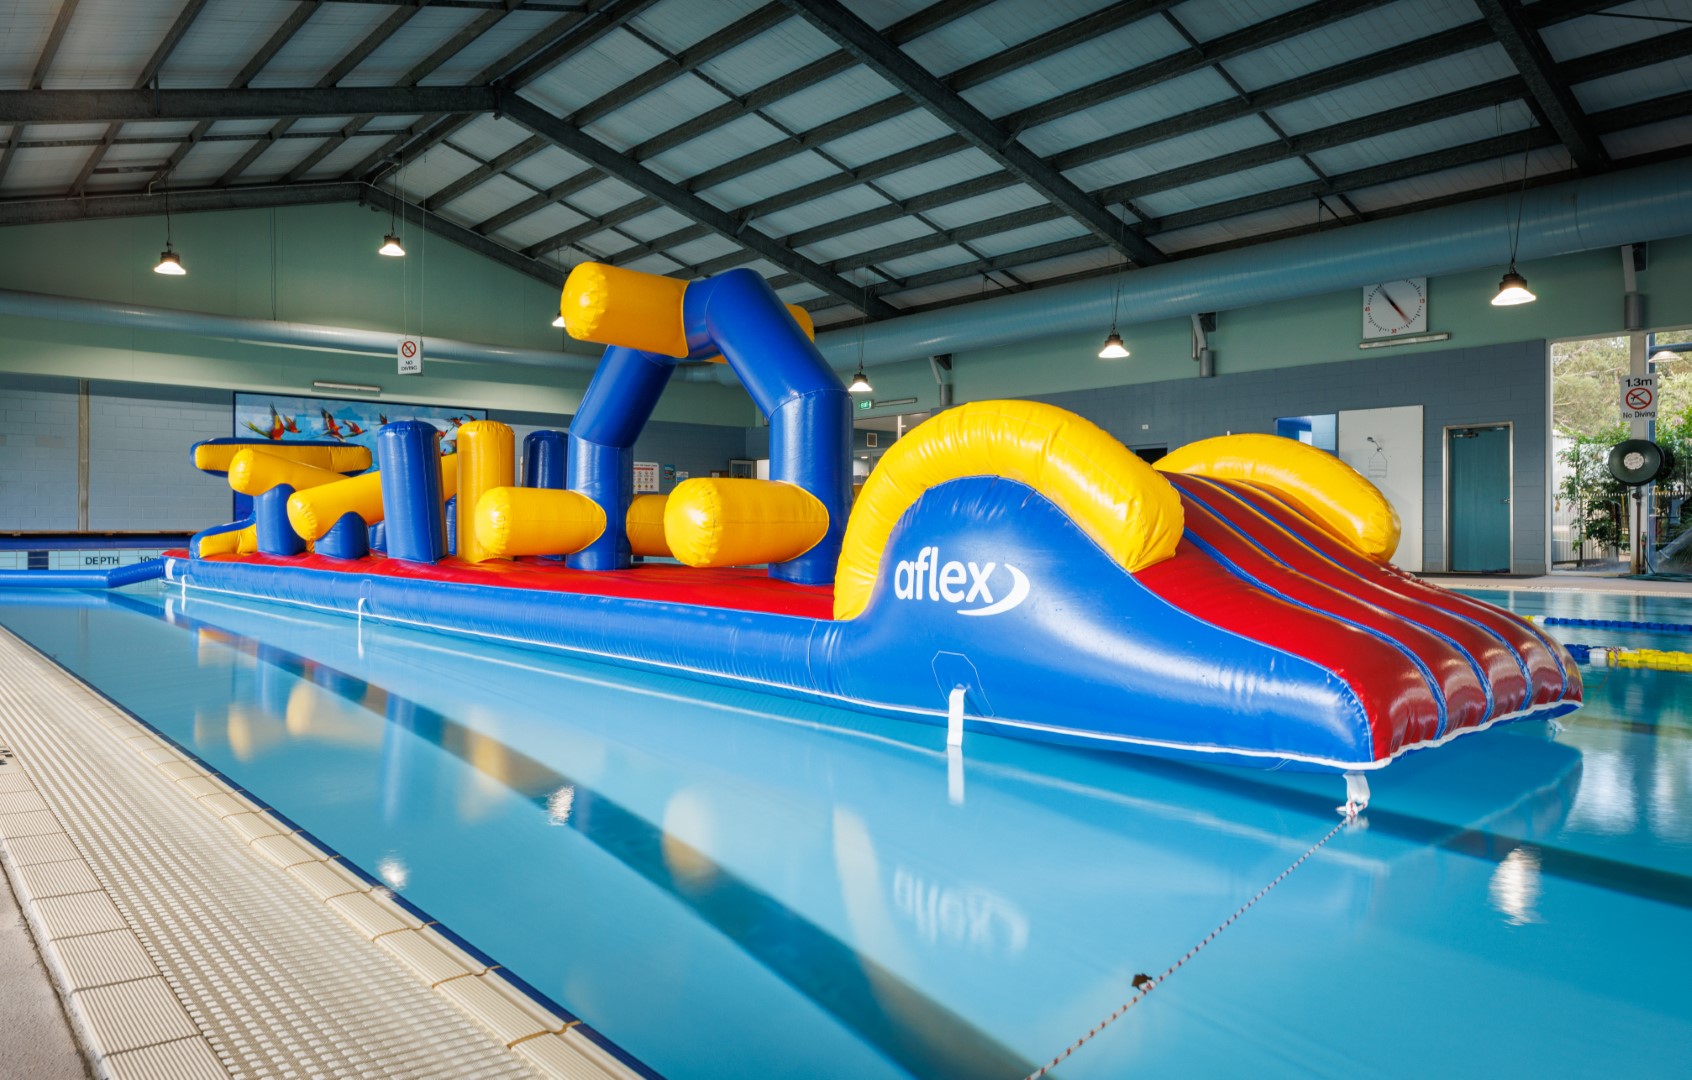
{"x":115,"y":578}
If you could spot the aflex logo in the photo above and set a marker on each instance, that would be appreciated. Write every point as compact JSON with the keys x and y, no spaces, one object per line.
{"x":929,"y":579}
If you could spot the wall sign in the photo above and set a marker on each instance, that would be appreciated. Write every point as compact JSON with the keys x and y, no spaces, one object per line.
{"x":646,"y":477}
{"x":1638,"y":397}
{"x":410,"y":352}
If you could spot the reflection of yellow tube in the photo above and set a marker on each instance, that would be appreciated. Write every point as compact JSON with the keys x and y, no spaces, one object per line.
{"x":536,"y":521}
{"x":645,"y":525}
{"x":613,"y":306}
{"x":254,"y":471}
{"x":216,"y":457}
{"x":314,"y":511}
{"x":732,"y":522}
{"x":486,"y":460}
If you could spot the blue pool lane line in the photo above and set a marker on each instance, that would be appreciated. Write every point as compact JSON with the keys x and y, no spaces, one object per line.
{"x":1614,"y":624}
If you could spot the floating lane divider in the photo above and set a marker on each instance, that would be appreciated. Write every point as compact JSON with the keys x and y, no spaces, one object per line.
{"x":1613,"y":656}
{"x":114,"y":578}
{"x":1613,"y":624}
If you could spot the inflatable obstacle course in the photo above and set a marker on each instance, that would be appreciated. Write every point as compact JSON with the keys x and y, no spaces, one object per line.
{"x":1009,"y":567}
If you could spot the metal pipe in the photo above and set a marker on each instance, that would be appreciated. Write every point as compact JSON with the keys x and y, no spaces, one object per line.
{"x":1648,"y":203}
{"x":73,"y":309}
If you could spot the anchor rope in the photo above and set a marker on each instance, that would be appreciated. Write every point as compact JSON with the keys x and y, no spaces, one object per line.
{"x":1145,"y":985}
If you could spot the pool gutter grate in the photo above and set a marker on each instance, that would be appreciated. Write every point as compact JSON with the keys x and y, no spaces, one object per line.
{"x":248,"y":973}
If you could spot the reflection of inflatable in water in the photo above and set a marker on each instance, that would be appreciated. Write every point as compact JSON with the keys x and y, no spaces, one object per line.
{"x":1006,"y":557}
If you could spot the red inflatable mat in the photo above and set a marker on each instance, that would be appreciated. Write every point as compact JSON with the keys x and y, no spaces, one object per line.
{"x":734,"y":588}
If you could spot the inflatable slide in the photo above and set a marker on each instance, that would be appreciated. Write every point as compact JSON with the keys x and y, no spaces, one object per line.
{"x":1006,"y":558}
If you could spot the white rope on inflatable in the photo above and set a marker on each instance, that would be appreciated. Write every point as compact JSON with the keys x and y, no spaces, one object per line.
{"x":1145,"y":984}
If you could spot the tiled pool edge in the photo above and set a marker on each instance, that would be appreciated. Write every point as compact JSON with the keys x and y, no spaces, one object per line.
{"x":538,"y":1037}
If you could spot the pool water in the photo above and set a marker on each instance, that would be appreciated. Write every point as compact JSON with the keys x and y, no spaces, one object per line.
{"x":728,"y":884}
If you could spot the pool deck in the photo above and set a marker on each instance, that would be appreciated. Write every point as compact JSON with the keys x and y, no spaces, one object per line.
{"x":185,"y":934}
{"x":1564,"y":582}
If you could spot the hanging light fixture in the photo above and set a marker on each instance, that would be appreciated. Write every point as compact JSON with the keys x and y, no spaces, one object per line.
{"x":170,"y":263}
{"x":860,"y":383}
{"x":1113,"y":347}
{"x":1512,"y":288}
{"x":558,"y":321}
{"x":391,"y":245}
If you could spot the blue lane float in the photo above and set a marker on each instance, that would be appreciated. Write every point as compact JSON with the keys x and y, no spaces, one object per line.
{"x":1008,"y":566}
{"x":114,"y":578}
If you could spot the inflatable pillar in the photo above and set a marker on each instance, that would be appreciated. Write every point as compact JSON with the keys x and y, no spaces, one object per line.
{"x":616,"y":406}
{"x":485,"y":451}
{"x":270,"y":515}
{"x":410,"y":458}
{"x":543,"y":459}
{"x":348,"y":538}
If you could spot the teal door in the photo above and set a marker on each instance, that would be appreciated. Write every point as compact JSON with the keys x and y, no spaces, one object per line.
{"x":1478,"y":498}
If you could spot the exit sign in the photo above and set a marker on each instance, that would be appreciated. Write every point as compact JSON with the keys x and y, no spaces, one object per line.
{"x":864,"y":404}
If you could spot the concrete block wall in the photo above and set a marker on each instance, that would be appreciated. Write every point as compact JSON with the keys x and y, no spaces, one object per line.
{"x":1491,"y":384}
{"x":38,"y":451}
{"x":139,"y":475}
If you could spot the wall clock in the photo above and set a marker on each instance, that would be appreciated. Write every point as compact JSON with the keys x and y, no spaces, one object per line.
{"x":1395,"y":307}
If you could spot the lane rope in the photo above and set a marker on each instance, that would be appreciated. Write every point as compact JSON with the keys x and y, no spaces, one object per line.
{"x":1144,"y":984}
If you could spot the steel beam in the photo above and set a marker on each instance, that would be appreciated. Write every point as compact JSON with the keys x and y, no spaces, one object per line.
{"x":43,"y":63}
{"x":1553,"y":98}
{"x":95,"y":106}
{"x":602,"y":157}
{"x":860,"y":39}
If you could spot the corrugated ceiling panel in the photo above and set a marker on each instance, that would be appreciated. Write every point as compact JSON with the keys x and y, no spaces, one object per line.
{"x":319,"y":45}
{"x":518,"y":29}
{"x":1360,"y":35}
{"x":1170,"y":98}
{"x":876,"y":236}
{"x":783,"y":176}
{"x":277,"y":160}
{"x":942,"y":172}
{"x":56,"y":132}
{"x":878,"y":140}
{"x":928,"y":294}
{"x":1208,"y":19}
{"x":991,"y":30}
{"x":939,"y":259}
{"x":884,"y":13}
{"x":549,"y":167}
{"x":836,"y":206}
{"x":1083,"y":64}
{"x":981,"y":207}
{"x":676,"y":102}
{"x":1394,"y":91}
{"x":1235,"y":229}
{"x":107,"y":43}
{"x":487,"y":137}
{"x":1029,"y":236}
{"x":319,"y":124}
{"x":1213,"y":142}
{"x":150,"y":154}
{"x":767,"y":57}
{"x":734,"y":139}
{"x":1457,"y":181}
{"x":799,"y":294}
{"x":427,"y":30}
{"x":655,"y":223}
{"x":676,"y":24}
{"x":1099,"y":260}
{"x":28,"y":22}
{"x":1650,"y":138}
{"x":47,"y":169}
{"x":422,"y":177}
{"x":1233,"y":186}
{"x":548,"y":221}
{"x":603,"y":197}
{"x":609,"y":62}
{"x":485,"y":200}
{"x":1595,"y":33}
{"x":1423,"y":139}
{"x":1640,"y":84}
{"x":224,"y":37}
{"x":835,"y":96}
{"x":241,"y":127}
{"x":164,"y":129}
{"x":207,"y":162}
{"x":656,"y":263}
{"x":704,"y":249}
{"x":344,"y":157}
{"x":604,"y":243}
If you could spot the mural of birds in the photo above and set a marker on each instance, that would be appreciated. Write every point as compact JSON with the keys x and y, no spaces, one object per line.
{"x":289,"y":426}
{"x":331,"y":428}
{"x":353,"y":430}
{"x":274,"y":431}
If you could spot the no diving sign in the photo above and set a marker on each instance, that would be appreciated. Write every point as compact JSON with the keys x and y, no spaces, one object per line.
{"x":1638,"y":397}
{"x":410,"y":356}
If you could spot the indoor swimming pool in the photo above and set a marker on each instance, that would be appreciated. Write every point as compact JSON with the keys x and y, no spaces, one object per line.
{"x":728,"y":884}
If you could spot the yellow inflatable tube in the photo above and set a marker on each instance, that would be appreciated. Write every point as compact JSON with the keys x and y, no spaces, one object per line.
{"x":255,"y":471}
{"x":613,"y":306}
{"x":236,"y":542}
{"x":1111,"y":495}
{"x":717,"y":521}
{"x":216,"y":457}
{"x":1320,"y":486}
{"x":645,"y":525}
{"x":486,"y":460}
{"x":314,"y":511}
{"x":536,"y":521}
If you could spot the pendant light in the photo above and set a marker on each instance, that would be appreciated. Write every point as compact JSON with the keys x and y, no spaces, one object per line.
{"x":391,"y":245}
{"x":558,"y":321}
{"x":170,"y":263}
{"x":1512,"y":288}
{"x":1113,"y":347}
{"x":860,"y":383}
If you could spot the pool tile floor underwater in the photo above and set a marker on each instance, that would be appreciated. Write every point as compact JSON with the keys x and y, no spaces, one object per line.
{"x":183,"y":956}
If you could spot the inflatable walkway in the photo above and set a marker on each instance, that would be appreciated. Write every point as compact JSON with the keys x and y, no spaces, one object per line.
{"x":1233,"y":605}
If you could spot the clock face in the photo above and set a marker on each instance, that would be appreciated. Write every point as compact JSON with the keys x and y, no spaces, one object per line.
{"x":1395,"y":307}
